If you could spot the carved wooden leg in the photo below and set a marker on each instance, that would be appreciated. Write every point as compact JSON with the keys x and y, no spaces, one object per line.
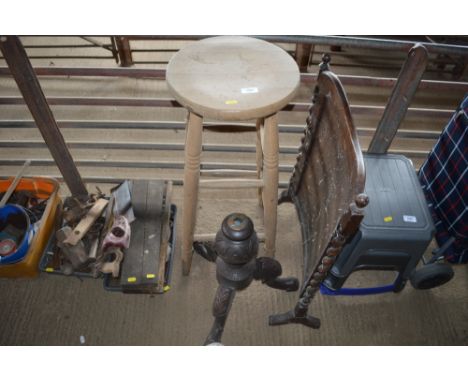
{"x":221,"y":307}
{"x":299,"y":314}
{"x":270,"y":181}
{"x":259,"y":153}
{"x":193,"y":148}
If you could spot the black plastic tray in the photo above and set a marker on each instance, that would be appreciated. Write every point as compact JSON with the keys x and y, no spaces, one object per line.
{"x":109,"y":283}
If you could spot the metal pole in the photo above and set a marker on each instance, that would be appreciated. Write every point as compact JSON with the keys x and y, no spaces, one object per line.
{"x":96,"y":43}
{"x":400,"y":99}
{"x":23,"y":73}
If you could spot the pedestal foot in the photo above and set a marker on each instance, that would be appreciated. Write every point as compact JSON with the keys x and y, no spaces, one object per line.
{"x":291,"y":318}
{"x":288,"y":284}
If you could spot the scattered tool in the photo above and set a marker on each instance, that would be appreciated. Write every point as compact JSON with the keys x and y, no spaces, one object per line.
{"x":117,"y":240}
{"x":119,"y":234}
{"x":96,"y":238}
{"x":140,"y":268}
{"x":85,"y":224}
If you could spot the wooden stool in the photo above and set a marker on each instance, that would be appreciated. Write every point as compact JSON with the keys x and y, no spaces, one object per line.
{"x":232,"y":78}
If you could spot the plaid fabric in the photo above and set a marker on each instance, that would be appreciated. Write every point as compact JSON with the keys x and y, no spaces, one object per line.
{"x":444,"y":180}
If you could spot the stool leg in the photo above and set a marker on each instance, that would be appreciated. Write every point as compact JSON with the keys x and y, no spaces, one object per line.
{"x":193,"y":148}
{"x":270,"y":181}
{"x":259,"y":154}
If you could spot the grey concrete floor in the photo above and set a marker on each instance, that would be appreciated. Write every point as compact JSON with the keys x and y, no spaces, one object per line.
{"x":57,"y":310}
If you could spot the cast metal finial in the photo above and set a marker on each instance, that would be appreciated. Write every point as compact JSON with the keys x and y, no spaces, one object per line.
{"x":324,"y":65}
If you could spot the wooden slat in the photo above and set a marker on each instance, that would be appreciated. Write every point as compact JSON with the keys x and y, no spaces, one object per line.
{"x":231,"y":183}
{"x":153,"y":228}
{"x":85,"y":224}
{"x":132,"y":265}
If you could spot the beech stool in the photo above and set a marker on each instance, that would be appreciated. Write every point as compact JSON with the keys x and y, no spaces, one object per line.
{"x":232,"y":78}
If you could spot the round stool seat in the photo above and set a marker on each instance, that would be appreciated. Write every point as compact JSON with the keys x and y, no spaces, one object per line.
{"x":233,"y":78}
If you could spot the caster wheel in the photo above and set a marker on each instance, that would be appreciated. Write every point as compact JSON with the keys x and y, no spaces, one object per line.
{"x":431,"y":276}
{"x":400,"y":287}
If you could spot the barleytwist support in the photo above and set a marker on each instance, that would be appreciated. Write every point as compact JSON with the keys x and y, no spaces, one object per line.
{"x":328,"y":174}
{"x":235,"y":253}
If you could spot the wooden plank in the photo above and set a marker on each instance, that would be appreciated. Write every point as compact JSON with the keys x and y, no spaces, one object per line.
{"x":85,"y":224}
{"x":141,"y":265}
{"x":231,"y":183}
{"x":400,"y":99}
{"x":225,"y":172}
{"x":152,"y":221}
{"x":165,"y":236}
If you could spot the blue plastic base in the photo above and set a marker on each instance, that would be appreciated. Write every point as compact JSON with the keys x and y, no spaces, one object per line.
{"x":356,"y":291}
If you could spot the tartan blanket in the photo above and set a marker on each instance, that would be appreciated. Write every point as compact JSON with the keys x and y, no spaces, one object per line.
{"x":444,"y":180}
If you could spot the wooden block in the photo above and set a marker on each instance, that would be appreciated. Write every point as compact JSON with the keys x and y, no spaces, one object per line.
{"x":85,"y":224}
{"x":153,"y":225}
{"x":132,"y":264}
{"x":141,"y":264}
